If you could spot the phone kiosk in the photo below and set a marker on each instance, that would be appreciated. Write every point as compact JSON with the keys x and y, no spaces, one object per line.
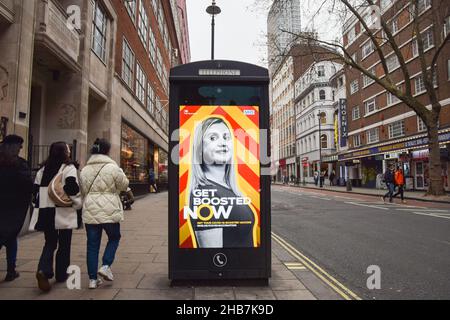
{"x":219,"y":173}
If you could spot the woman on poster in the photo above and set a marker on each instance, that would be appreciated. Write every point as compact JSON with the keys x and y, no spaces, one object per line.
{"x":226,"y":219}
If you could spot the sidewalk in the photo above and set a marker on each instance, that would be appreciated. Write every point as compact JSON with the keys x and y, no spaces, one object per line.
{"x":141,"y":267}
{"x":411,"y":195}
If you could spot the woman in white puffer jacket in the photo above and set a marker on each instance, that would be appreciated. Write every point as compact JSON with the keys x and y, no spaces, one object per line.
{"x":102,"y":180}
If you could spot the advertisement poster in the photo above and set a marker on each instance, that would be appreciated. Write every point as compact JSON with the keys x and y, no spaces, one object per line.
{"x":219,"y":177}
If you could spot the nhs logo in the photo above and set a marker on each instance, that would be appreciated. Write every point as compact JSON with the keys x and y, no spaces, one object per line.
{"x":249,"y":112}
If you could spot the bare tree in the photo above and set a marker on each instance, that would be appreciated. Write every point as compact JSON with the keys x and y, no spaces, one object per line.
{"x":387,"y":44}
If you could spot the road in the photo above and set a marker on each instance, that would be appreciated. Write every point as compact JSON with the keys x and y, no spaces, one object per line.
{"x":345,"y":234}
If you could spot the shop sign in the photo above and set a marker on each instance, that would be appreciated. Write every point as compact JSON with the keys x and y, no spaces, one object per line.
{"x":343,"y":121}
{"x":444,"y":137}
{"x":420,"y":154}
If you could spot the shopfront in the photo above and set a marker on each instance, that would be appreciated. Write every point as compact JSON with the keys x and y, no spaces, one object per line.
{"x":138,"y":155}
{"x":412,"y":154}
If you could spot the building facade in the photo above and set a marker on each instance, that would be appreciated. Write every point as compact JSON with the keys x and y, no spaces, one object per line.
{"x":79,"y":70}
{"x":315,"y":119}
{"x":283,"y":22}
{"x":382,"y":129}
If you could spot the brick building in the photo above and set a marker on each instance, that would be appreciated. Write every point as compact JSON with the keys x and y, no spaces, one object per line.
{"x":382,"y":129}
{"x":106,"y":76}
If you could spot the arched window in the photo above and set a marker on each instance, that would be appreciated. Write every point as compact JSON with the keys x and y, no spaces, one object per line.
{"x":322,"y":95}
{"x":324,"y":141}
{"x":323,"y":118}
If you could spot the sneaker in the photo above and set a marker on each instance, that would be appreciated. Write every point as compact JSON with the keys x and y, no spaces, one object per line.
{"x":403,"y":201}
{"x":383,"y":199}
{"x":106,"y":273}
{"x":11,"y":276}
{"x":95,"y":283}
{"x":42,"y":280}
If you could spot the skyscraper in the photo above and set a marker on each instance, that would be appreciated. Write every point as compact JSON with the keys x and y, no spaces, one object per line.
{"x":283,"y":22}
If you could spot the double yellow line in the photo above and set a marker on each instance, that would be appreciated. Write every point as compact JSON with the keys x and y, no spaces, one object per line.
{"x":343,"y":291}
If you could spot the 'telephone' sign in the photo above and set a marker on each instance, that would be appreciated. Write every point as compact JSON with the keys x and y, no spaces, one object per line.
{"x":219,"y":72}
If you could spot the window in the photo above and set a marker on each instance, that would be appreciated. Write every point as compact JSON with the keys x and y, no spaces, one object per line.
{"x":143,"y":24}
{"x":421,"y":125}
{"x":323,"y":118}
{"x":340,"y":82}
{"x":392,"y":62}
{"x":324,"y":141}
{"x":367,"y":81}
{"x":354,"y":86}
{"x":152,"y":47}
{"x":321,"y":71}
{"x":414,"y":48}
{"x":394,"y":26}
{"x":131,"y":8}
{"x":423,"y":5}
{"x":391,"y":99}
{"x":141,"y":82}
{"x":155,"y":6}
{"x":446,"y":26}
{"x":351,"y":35}
{"x":385,"y":3}
{"x":427,"y":38}
{"x":397,"y":129}
{"x":367,"y":49}
{"x":355,"y":113}
{"x":99,"y":31}
{"x":419,"y":85}
{"x":373,"y":135}
{"x":322,"y":95}
{"x":150,"y":99}
{"x":127,"y":64}
{"x":448,"y":69}
{"x":356,"y":140}
{"x":370,"y":106}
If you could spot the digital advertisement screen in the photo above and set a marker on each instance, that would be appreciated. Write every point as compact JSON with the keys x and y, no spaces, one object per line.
{"x":219,"y":177}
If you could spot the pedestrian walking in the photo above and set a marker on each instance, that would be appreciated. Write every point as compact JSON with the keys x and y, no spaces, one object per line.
{"x":399,"y":180}
{"x":152,"y":180}
{"x":15,"y":196}
{"x":316,"y":178}
{"x":57,"y":201}
{"x":389,"y":180}
{"x":102,"y":181}
{"x":322,"y":178}
{"x":331,"y":177}
{"x":127,"y":198}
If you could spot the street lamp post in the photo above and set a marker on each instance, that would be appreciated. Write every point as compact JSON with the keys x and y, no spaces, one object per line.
{"x":319,"y":115}
{"x":213,"y":10}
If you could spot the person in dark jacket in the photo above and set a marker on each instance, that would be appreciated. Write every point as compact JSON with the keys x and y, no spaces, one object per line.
{"x":389,"y":180}
{"x":15,"y":196}
{"x":152,"y":180}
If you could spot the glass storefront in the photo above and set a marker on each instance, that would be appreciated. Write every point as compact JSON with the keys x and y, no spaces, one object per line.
{"x":135,"y":155}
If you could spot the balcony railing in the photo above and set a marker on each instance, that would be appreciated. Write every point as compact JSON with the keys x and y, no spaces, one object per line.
{"x":53,"y":33}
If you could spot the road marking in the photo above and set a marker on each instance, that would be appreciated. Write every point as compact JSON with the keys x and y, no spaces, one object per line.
{"x":423,"y":210}
{"x":343,"y":291}
{"x":316,"y":197}
{"x":344,"y":198}
{"x":431,"y":215}
{"x":294,"y":266}
{"x":365,"y":205}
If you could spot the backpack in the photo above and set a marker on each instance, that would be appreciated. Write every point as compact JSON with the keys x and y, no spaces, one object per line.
{"x":56,"y":190}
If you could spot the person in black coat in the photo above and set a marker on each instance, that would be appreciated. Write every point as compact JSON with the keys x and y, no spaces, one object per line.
{"x":15,"y":196}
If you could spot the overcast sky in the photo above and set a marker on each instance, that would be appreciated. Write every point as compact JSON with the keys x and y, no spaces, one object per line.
{"x":239,"y":35}
{"x":242,"y":26}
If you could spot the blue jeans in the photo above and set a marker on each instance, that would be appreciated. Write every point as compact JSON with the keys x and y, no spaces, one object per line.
{"x":11,"y":254}
{"x":94,"y":239}
{"x":390,"y":193}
